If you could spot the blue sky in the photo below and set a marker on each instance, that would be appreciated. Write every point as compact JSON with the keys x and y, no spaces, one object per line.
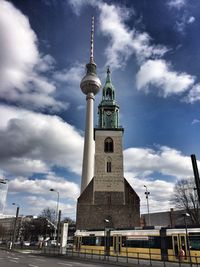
{"x":153,"y":52}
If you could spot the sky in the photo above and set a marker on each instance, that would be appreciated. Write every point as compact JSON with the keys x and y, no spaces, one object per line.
{"x":153,"y":50}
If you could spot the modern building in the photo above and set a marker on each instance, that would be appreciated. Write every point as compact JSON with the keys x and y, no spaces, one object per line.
{"x":171,"y":218}
{"x":7,"y":227}
{"x":3,"y":194}
{"x":107,"y":199}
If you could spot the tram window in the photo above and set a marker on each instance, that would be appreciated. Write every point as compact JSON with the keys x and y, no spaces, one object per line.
{"x":111,"y":241}
{"x":123,"y":241}
{"x":168,"y":242}
{"x":85,"y":240}
{"x":152,"y":242}
{"x":194,"y":242}
{"x":98,"y":241}
{"x":92,"y":240}
{"x":89,"y":240}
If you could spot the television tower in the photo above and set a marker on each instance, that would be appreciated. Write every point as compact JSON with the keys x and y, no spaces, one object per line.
{"x":90,"y":86}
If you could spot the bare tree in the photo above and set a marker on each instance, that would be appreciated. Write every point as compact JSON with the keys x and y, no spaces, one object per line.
{"x":49,"y":214}
{"x":185,"y":197}
{"x":69,"y":221}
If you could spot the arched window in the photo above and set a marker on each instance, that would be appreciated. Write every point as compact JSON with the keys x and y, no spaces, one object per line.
{"x":108,"y":145}
{"x":109,"y":166}
{"x":109,"y":94}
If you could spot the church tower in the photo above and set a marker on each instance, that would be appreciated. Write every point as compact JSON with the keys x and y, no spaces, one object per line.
{"x":108,"y":200}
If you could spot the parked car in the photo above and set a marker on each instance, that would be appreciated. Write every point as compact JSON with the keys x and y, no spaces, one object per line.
{"x":26,"y":243}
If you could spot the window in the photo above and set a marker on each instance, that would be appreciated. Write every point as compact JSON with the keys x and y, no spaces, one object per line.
{"x":108,"y":145}
{"x":108,"y":166}
{"x":109,"y":94}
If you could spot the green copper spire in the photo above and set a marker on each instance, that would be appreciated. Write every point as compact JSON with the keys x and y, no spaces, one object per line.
{"x":108,"y":90}
{"x":108,"y":108}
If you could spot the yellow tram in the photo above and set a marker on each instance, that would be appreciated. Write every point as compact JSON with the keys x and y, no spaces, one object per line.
{"x":156,"y":244}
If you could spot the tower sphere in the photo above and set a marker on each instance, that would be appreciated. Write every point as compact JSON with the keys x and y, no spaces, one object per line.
{"x":90,"y":82}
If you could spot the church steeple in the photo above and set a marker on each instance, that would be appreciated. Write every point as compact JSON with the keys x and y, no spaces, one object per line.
{"x":108,"y":108}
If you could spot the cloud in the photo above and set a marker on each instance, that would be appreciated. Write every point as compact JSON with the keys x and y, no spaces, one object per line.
{"x":67,"y":189}
{"x":176,"y":3}
{"x":144,"y":166}
{"x":157,"y":200}
{"x":71,"y":77}
{"x":194,"y":94}
{"x":77,"y":5}
{"x":35,"y":194}
{"x":38,"y":203}
{"x":166,"y":161}
{"x":21,"y":64}
{"x":33,"y":142}
{"x":159,"y":73}
{"x":191,"y":20}
{"x":195,"y":121}
{"x":124,"y":42}
{"x":183,"y":22}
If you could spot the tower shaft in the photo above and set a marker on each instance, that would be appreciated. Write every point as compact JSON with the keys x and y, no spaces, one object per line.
{"x":88,"y":152}
{"x":90,"y":85}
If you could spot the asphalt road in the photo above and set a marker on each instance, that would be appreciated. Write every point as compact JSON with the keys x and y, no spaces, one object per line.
{"x":15,"y":259}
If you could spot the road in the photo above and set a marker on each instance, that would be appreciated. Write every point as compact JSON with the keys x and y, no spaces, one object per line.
{"x":15,"y":259}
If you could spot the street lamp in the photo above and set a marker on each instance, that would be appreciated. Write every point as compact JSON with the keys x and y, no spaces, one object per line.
{"x":57,"y":207}
{"x":15,"y":225}
{"x":186,"y":233}
{"x":147,"y":197}
{"x":106,"y":240}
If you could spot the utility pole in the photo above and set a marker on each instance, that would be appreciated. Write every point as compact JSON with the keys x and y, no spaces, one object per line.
{"x":196,"y":175}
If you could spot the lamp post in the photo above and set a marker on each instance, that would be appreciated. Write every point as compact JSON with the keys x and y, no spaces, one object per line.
{"x":57,"y":207}
{"x":186,"y":233}
{"x":147,"y":198}
{"x":15,"y":225}
{"x":107,"y":221}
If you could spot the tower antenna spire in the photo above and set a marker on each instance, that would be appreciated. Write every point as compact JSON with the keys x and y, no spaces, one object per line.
{"x":92,"y":42}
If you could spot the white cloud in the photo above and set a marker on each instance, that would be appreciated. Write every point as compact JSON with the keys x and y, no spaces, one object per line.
{"x":144,"y":166}
{"x":195,"y":121}
{"x":33,"y":142}
{"x":71,"y":77}
{"x":21,"y":63}
{"x":124,"y":42}
{"x":193,"y":95}
{"x":191,"y":20}
{"x":158,"y":73}
{"x":166,"y":161}
{"x":38,"y":203}
{"x":157,"y":200}
{"x":176,"y":3}
{"x":34,"y":195}
{"x":77,"y":5}
{"x":67,"y":189}
{"x":183,"y":22}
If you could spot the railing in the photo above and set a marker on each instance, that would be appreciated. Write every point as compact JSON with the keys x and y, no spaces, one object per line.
{"x":128,"y":258}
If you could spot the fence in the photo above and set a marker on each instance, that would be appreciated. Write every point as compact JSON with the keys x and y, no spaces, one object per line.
{"x":128,"y":259}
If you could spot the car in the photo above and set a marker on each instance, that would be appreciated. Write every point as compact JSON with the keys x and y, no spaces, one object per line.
{"x":26,"y":243}
{"x":33,"y":243}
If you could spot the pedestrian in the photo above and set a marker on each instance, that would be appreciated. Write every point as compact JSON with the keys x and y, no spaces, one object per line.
{"x":181,"y":254}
